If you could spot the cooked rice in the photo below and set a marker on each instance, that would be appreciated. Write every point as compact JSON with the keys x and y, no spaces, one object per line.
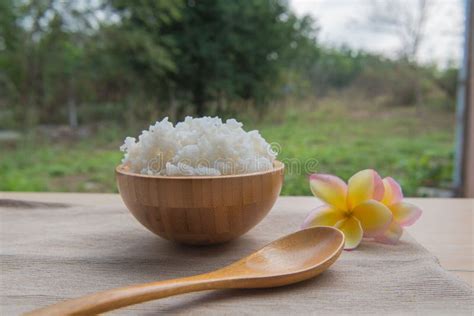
{"x":198,"y":146}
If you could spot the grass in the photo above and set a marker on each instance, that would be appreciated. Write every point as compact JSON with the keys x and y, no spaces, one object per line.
{"x":335,"y":135}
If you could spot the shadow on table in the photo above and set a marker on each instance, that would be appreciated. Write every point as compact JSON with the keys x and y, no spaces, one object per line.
{"x":152,"y":257}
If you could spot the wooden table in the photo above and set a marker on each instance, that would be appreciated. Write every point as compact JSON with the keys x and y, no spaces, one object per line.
{"x":445,"y":228}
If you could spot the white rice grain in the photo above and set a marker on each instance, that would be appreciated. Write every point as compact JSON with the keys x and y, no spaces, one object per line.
{"x":197,"y":147}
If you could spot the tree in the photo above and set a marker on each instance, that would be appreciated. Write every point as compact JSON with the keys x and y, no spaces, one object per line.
{"x":43,"y":56}
{"x":207,"y":51}
{"x":137,"y":45}
{"x":404,"y":19}
{"x":143,"y":57}
{"x":234,"y":49}
{"x":10,"y":47}
{"x":407,"y":21}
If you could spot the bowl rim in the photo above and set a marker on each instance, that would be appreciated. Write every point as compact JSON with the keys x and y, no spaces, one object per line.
{"x":277,"y":166}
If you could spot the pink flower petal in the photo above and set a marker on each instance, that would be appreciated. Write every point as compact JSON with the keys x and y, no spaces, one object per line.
{"x":330,"y":189}
{"x":405,"y":214}
{"x":391,"y":235}
{"x":393,"y":191}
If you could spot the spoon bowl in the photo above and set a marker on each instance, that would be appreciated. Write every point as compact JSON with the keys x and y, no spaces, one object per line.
{"x":291,"y":259}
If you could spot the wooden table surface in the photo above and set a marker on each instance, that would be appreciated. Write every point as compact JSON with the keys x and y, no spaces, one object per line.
{"x":445,"y":228}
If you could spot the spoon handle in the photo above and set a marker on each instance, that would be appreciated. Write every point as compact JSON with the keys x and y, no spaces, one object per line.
{"x":116,"y":298}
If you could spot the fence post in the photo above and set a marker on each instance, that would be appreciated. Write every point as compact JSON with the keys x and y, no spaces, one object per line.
{"x":464,"y":160}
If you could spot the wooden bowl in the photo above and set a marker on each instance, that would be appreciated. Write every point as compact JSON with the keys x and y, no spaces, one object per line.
{"x":200,"y":210}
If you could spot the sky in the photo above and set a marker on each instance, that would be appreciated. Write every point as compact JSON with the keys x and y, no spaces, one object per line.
{"x":342,"y":22}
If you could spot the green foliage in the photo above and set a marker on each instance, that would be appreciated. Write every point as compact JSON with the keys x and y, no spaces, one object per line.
{"x":139,"y":42}
{"x":239,"y":49}
{"x":10,"y":44}
{"x":174,"y":55}
{"x":447,"y":81}
{"x":35,"y":166}
{"x":166,"y":57}
{"x":336,"y":68}
{"x":124,"y":64}
{"x":343,"y":137}
{"x":430,"y":169}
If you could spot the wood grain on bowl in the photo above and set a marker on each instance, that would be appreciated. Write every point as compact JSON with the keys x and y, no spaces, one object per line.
{"x":200,"y":210}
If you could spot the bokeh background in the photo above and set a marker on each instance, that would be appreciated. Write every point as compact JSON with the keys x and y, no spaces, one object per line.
{"x":353,"y":84}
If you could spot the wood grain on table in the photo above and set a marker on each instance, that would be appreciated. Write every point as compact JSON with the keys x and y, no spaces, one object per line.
{"x":445,"y":228}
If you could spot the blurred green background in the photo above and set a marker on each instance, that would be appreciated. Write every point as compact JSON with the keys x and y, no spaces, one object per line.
{"x":78,"y":77}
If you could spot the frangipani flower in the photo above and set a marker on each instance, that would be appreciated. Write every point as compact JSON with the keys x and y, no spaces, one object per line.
{"x":354,"y":208}
{"x":404,"y":214}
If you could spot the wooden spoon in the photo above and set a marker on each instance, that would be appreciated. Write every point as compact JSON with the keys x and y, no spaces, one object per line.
{"x":293,"y":258}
